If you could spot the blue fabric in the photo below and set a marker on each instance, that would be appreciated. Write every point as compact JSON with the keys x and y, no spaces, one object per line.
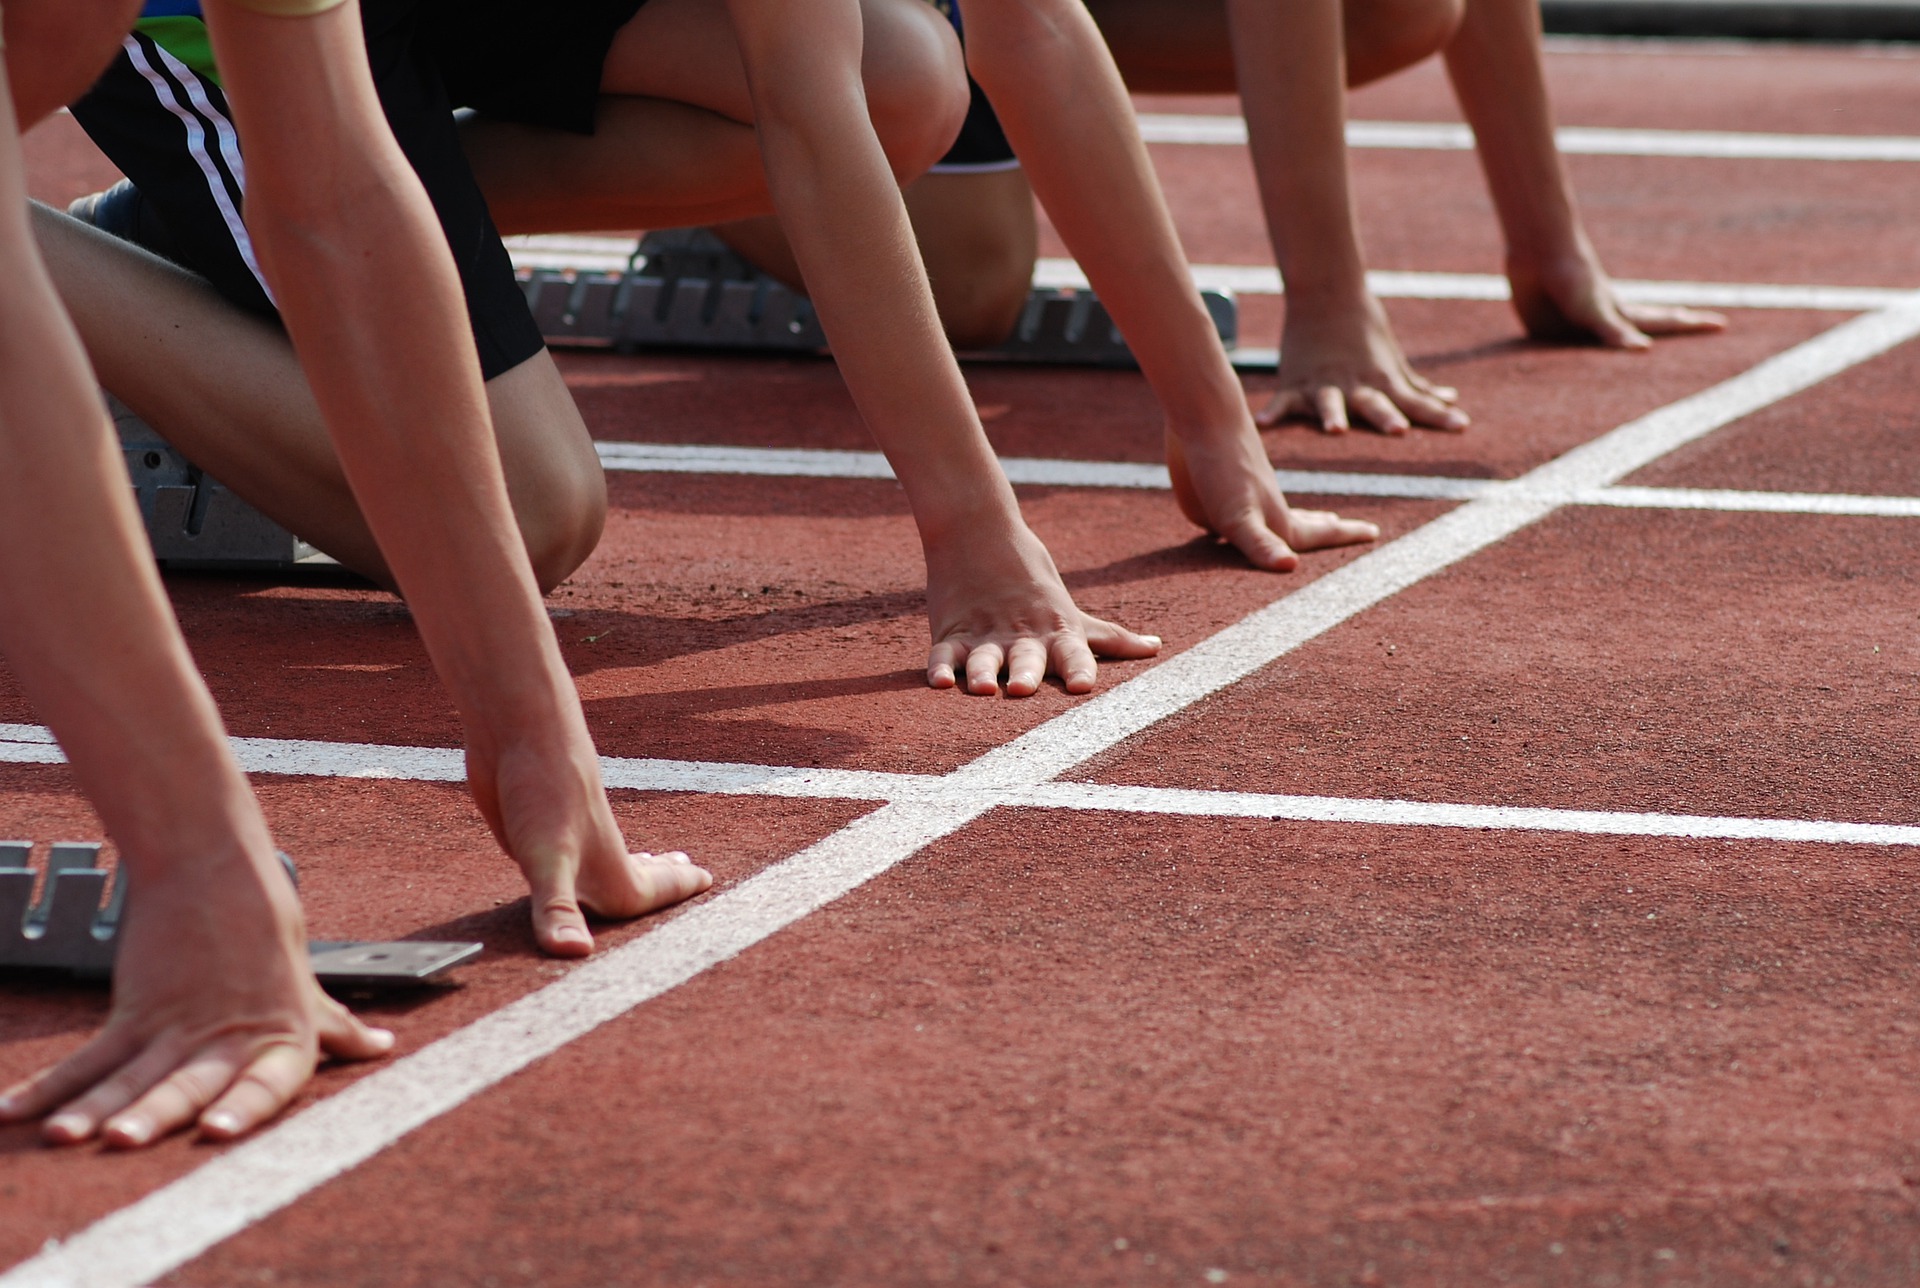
{"x":171,"y":9}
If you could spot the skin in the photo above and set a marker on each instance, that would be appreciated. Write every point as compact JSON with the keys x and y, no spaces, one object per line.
{"x":216,"y":1017}
{"x":217,"y":1022}
{"x":1341,"y":361}
{"x":807,"y":127}
{"x":1064,"y":106}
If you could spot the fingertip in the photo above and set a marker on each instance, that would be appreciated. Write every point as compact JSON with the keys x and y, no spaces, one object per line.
{"x":127,"y":1133}
{"x":1022,"y":686}
{"x":567,"y":940}
{"x":1079,"y":682}
{"x":66,"y":1129}
{"x":220,"y":1125}
{"x":1151,"y":643}
{"x":940,"y":677}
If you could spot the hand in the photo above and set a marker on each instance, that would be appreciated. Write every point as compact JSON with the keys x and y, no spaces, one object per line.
{"x":545,"y":803}
{"x":1001,"y":605}
{"x":216,"y":1019}
{"x":1337,"y":362}
{"x":1568,"y":300}
{"x":1226,"y":485}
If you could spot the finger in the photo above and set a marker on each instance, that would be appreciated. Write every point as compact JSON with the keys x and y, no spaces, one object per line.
{"x":62,"y":1082}
{"x":344,"y":1036}
{"x":265,"y":1087}
{"x":943,"y":659}
{"x":1614,"y":331}
{"x":1286,"y":404}
{"x":1330,"y":409}
{"x":1376,"y":409}
{"x":559,"y":926}
{"x":1263,"y":547}
{"x":1073,"y":662}
{"x":663,"y":882}
{"x":1445,"y":393}
{"x":1108,"y":639}
{"x":1674,"y":321}
{"x":178,"y":1099}
{"x":1323,"y":529}
{"x":81,"y":1118}
{"x":983,"y":669}
{"x":1026,"y":667}
{"x":1430,"y":412}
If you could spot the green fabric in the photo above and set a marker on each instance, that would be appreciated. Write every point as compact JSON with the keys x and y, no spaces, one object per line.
{"x":184,"y":38}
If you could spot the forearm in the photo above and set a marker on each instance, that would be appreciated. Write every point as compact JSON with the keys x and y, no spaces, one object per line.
{"x":83,"y":619}
{"x":848,"y":228}
{"x":1066,"y":112}
{"x":367,"y":288}
{"x":1495,"y":63}
{"x":1291,"y":67}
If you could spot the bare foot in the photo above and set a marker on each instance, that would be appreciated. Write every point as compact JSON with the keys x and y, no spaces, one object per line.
{"x":550,"y":813}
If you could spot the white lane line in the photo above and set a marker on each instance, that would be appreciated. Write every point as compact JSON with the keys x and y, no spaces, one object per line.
{"x":1427,"y":136}
{"x":28,"y":744}
{"x":685,"y":458}
{"x":176,"y":1223}
{"x":430,"y":764}
{"x":589,"y":254}
{"x":1404,"y":813}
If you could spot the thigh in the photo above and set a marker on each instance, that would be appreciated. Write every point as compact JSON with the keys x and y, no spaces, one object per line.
{"x":1169,"y":46}
{"x":683,"y":51}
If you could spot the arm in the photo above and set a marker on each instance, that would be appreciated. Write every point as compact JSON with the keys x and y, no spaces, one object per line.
{"x":1559,"y":287}
{"x":993,"y":593}
{"x":1338,"y":354}
{"x":216,"y":1015}
{"x":338,"y":217}
{"x":1062,"y":104}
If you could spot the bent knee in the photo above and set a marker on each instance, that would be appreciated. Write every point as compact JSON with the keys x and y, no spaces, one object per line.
{"x":562,"y":517}
{"x":916,"y":82}
{"x":1386,"y":36}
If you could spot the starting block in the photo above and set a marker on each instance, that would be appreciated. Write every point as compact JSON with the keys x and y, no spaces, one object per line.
{"x":192,"y":520}
{"x":685,"y":288}
{"x":74,"y":926}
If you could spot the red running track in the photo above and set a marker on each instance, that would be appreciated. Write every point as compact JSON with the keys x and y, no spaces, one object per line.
{"x":1066,"y":1046}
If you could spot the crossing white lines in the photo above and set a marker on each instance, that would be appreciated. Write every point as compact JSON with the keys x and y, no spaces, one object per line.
{"x":172,"y":1225}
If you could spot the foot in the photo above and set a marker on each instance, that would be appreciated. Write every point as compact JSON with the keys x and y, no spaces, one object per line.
{"x":550,"y":813}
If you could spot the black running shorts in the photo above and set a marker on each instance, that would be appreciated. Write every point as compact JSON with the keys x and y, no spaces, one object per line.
{"x":168,"y":129}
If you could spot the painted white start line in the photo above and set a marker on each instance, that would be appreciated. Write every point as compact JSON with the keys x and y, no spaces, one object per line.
{"x":779,"y":462}
{"x":250,"y":1181}
{"x":591,"y":254}
{"x":30,"y":744}
{"x":1443,"y":136}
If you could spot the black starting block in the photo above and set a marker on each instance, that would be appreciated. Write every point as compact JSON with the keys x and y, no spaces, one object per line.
{"x":685,"y":288}
{"x":74,"y":926}
{"x":192,"y":520}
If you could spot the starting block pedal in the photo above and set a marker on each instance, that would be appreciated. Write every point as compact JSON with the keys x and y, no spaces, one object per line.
{"x":192,"y":520}
{"x":74,"y":926}
{"x":685,"y":288}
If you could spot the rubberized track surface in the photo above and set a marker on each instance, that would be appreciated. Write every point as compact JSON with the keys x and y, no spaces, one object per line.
{"x":1171,"y":985}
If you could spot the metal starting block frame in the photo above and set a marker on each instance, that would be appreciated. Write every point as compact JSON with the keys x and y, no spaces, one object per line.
{"x":688,"y":289}
{"x":74,"y":926}
{"x":192,"y":520}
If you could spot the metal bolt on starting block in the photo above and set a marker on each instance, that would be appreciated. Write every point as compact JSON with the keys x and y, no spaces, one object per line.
{"x":70,"y":928}
{"x":192,"y":520}
{"x":685,"y":288}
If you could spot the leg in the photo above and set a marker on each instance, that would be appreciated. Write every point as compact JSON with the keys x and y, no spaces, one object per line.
{"x":977,"y":238}
{"x":675,"y":144}
{"x":1178,"y":47}
{"x":225,"y":387}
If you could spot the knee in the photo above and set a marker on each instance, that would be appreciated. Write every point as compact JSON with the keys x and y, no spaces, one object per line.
{"x":981,"y":309}
{"x":1385,"y":36}
{"x":916,"y":82}
{"x":562,"y":515}
{"x":56,"y":49}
